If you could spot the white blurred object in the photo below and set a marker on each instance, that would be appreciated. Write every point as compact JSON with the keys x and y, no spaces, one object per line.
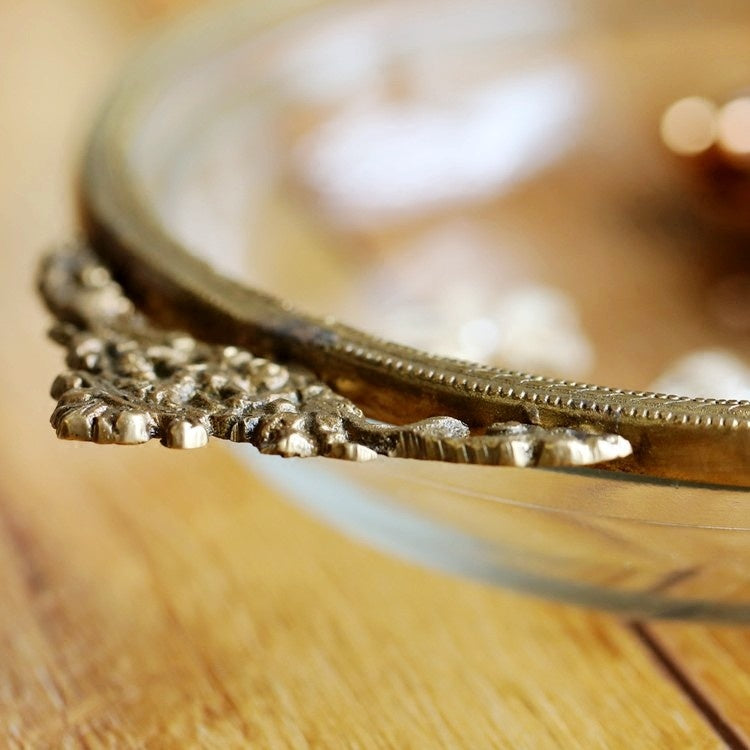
{"x":345,"y":53}
{"x":534,"y":328}
{"x":541,"y":332}
{"x":707,"y":373}
{"x":459,"y":292}
{"x":382,"y":159}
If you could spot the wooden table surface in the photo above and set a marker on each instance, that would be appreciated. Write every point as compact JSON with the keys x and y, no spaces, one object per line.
{"x":165,"y":600}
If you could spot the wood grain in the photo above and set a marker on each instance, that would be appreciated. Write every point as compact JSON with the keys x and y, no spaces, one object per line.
{"x":161,"y":600}
{"x":715,"y":662}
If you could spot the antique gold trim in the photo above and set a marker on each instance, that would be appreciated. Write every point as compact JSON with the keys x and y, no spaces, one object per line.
{"x":130,"y":382}
{"x":670,"y":436}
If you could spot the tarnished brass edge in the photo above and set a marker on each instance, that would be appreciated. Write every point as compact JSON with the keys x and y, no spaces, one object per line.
{"x":680,"y":438}
{"x":130,"y":382}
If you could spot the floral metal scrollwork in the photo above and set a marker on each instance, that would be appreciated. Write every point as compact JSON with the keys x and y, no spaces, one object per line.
{"x":129,"y":381}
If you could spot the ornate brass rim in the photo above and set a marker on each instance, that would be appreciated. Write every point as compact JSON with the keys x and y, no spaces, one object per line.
{"x":567,"y":423}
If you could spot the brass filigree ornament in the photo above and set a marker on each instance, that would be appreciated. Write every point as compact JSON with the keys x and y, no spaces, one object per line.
{"x":130,"y":382}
